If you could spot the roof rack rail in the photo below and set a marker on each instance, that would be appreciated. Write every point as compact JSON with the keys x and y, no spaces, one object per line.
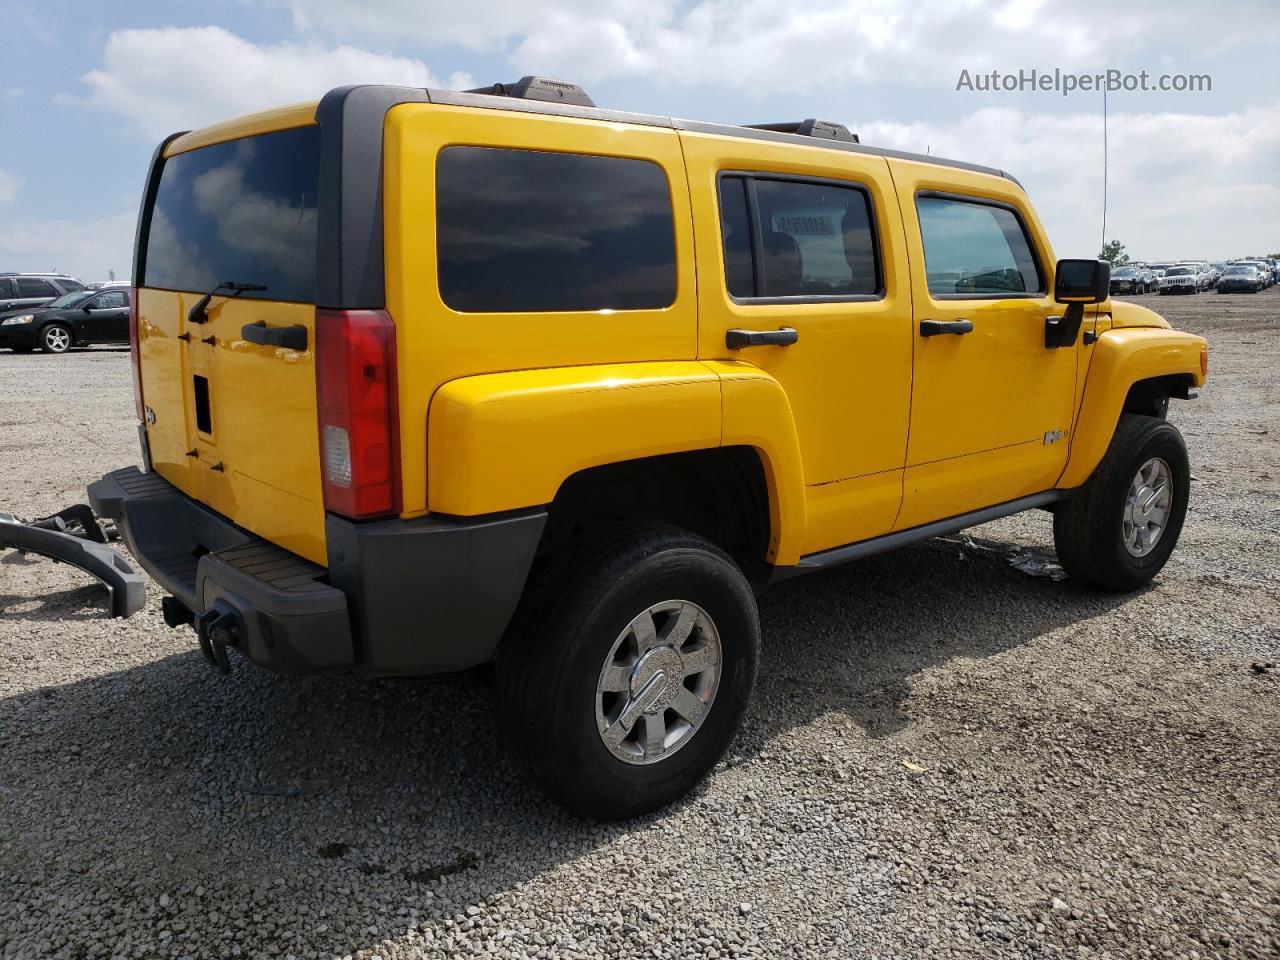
{"x":824,"y":129}
{"x":539,"y":88}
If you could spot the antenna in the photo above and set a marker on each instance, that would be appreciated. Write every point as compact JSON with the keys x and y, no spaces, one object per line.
{"x":1104,"y":166}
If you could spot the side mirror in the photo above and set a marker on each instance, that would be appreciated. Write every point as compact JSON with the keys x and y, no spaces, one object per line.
{"x":86,"y":308}
{"x":1075,"y":283}
{"x":1082,"y":281}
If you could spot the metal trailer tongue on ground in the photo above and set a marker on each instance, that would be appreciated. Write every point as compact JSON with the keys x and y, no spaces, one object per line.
{"x":76,"y":536}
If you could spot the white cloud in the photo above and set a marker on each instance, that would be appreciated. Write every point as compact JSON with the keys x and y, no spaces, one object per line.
{"x":8,"y":186}
{"x":474,"y":25}
{"x":179,"y":78}
{"x":1179,"y":185}
{"x":767,"y":46}
{"x":83,"y":248}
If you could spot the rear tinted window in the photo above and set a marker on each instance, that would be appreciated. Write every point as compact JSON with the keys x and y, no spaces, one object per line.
{"x":35,"y":287}
{"x":815,"y":238}
{"x":531,"y":231}
{"x":242,"y":211}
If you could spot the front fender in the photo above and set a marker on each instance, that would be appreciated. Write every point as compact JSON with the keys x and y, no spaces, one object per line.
{"x":502,"y":441}
{"x":1120,"y":358}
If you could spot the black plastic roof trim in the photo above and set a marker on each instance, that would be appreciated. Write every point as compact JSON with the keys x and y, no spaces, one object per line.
{"x":460,"y":99}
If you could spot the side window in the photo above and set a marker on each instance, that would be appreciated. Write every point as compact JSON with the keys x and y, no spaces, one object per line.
{"x":35,"y":287}
{"x":109,"y":301}
{"x":522,"y":231}
{"x":972,"y":248}
{"x":810,"y":239}
{"x":6,"y":288}
{"x":735,"y":224}
{"x":70,"y":285}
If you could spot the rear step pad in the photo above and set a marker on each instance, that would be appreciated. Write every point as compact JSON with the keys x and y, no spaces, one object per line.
{"x":126,"y":586}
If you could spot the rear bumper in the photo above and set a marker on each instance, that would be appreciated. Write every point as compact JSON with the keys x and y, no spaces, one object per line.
{"x":399,"y":597}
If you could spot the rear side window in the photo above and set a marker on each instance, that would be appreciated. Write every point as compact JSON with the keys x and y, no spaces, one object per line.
{"x":69,"y":285}
{"x":35,"y":287}
{"x":6,"y":287}
{"x":242,"y":211}
{"x":530,"y":231}
{"x":976,"y":249}
{"x":797,"y":238}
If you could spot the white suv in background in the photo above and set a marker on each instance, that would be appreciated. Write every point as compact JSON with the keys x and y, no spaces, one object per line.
{"x":1182,"y":278}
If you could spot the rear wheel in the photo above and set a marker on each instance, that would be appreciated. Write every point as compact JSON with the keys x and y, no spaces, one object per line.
{"x":628,"y":669}
{"x":1117,"y":532}
{"x":55,"y":338}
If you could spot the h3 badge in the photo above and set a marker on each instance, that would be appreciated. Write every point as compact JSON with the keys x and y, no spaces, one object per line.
{"x":1053,"y":436}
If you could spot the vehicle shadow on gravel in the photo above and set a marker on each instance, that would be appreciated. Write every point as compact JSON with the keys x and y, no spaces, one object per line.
{"x":851,"y":638}
{"x":387,"y":806}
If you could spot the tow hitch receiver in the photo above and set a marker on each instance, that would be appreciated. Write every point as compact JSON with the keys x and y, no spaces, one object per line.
{"x":216,"y":629}
{"x":75,"y":536}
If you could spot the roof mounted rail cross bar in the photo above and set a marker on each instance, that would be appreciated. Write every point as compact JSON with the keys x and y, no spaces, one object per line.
{"x":823,"y":129}
{"x":539,"y":88}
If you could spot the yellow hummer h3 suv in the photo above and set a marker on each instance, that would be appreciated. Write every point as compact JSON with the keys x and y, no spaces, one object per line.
{"x":429,"y":380}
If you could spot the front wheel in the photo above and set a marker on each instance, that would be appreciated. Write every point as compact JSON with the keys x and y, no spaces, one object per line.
{"x":1118,"y":530}
{"x":628,"y":669}
{"x":55,"y":338}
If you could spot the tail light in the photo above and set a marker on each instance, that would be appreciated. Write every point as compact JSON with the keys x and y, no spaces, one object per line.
{"x":356,"y":400}
{"x":135,"y":354}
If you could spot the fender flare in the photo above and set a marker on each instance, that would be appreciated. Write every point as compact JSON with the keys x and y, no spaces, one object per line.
{"x":506,"y":441}
{"x":1119,"y":359}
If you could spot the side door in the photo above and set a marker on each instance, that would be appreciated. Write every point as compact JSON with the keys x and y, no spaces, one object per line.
{"x":8,"y":295}
{"x":991,"y":404}
{"x":104,"y":318}
{"x":810,"y":239}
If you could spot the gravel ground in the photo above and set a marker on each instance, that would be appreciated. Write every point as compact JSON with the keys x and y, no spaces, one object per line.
{"x":946,"y":756}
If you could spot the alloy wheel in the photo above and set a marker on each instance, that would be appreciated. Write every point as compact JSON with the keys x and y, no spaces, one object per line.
{"x":658,"y":682}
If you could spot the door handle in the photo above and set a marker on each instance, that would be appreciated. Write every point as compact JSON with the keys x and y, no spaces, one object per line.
{"x":931,"y":328}
{"x":293,"y":337}
{"x":736,"y":339}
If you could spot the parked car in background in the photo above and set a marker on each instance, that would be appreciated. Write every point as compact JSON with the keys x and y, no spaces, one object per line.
{"x":75,"y":319}
{"x":1130,"y":279}
{"x":1240,"y":278}
{"x":1204,"y":276}
{"x":1181,"y":279}
{"x":1264,"y":270}
{"x":1150,"y":278}
{"x":34,"y":289}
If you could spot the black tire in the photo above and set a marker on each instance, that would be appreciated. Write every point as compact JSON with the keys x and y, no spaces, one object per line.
{"x":576,"y":608}
{"x":1088,"y":527}
{"x":56,"y":338}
